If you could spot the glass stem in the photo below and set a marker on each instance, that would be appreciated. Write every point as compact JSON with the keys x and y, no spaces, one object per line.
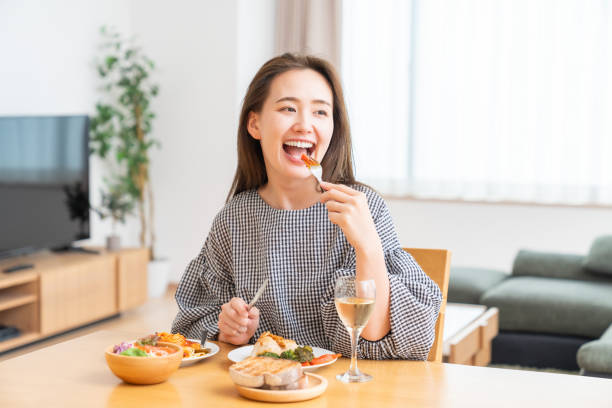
{"x":355,"y":332}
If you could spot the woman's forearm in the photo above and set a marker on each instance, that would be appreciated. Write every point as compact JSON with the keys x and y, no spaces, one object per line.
{"x":371,"y":265}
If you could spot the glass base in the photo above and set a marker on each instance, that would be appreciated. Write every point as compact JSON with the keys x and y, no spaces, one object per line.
{"x":357,"y":378}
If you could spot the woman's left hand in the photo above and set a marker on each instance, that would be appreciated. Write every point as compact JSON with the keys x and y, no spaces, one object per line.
{"x":348,"y":209}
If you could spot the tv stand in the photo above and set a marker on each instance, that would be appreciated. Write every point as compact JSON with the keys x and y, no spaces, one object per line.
{"x":66,"y":290}
{"x":76,"y":249}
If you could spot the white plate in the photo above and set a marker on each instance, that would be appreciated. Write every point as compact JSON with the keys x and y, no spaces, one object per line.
{"x":214,"y":349}
{"x":243,"y":352}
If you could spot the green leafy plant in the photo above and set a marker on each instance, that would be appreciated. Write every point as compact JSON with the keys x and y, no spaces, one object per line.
{"x":117,"y":204}
{"x":121,"y":128}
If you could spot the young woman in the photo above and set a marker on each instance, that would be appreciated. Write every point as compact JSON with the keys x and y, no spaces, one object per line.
{"x":278,"y":224}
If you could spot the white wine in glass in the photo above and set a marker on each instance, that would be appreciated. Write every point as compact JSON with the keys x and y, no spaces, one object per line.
{"x":355,"y":304}
{"x":354,"y":312}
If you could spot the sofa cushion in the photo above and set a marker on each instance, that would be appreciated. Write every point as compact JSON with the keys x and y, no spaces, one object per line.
{"x":599,"y":259}
{"x":558,"y":306}
{"x":551,"y":265}
{"x":596,"y":356}
{"x":466,"y":285}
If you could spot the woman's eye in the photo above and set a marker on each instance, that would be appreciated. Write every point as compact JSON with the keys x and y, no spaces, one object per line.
{"x":321,"y":113}
{"x":288,"y":109}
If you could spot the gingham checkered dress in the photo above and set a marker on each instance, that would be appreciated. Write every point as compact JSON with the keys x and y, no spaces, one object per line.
{"x":303,"y":254}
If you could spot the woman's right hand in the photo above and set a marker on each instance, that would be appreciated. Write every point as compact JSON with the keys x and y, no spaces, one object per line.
{"x":237,"y":324}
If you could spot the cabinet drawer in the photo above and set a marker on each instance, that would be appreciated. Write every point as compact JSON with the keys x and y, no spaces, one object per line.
{"x":77,"y":294}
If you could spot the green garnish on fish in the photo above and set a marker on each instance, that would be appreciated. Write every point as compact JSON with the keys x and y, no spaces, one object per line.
{"x":269,"y":354}
{"x":301,"y":354}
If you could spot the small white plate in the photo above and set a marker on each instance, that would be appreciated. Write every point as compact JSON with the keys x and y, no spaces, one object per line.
{"x":243,"y":352}
{"x":214,"y":349}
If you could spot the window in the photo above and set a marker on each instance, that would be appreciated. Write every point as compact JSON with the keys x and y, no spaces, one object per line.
{"x":481,"y":100}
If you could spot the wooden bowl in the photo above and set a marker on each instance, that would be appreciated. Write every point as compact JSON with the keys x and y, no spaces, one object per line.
{"x":144,"y":370}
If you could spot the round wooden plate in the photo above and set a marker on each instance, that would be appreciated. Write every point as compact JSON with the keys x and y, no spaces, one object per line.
{"x":316,"y":386}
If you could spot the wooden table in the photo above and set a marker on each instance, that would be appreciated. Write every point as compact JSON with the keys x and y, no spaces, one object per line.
{"x":74,"y":373}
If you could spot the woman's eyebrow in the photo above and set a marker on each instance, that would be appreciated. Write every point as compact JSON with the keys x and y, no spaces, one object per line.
{"x":294,"y":99}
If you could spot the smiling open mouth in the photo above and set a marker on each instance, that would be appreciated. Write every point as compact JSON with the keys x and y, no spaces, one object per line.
{"x":296,"y":149}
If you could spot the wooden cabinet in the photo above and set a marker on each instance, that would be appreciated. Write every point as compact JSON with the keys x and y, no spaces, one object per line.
{"x":19,"y":307}
{"x":64,"y":291}
{"x":78,"y":293}
{"x":132,"y":278}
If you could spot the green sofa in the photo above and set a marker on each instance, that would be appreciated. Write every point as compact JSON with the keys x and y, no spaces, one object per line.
{"x":555,"y":310}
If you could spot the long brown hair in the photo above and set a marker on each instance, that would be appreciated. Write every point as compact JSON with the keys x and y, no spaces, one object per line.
{"x":337,"y":163}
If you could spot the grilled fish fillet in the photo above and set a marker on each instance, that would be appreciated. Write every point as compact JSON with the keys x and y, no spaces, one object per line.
{"x":265,"y":371}
{"x":271,"y":343}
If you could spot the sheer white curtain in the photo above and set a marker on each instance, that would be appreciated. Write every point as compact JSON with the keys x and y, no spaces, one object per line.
{"x":506,"y":100}
{"x":375,"y":61}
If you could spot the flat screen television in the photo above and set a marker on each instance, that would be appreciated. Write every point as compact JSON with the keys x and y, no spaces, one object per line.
{"x":44,"y":182}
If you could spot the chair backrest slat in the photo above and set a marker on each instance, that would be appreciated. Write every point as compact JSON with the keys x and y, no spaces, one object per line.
{"x":436,"y":264}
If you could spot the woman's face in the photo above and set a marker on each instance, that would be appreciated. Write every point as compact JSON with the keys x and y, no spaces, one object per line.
{"x":296,"y":118}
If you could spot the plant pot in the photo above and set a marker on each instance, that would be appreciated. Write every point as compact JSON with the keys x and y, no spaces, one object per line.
{"x":157,"y":279}
{"x":113,"y":243}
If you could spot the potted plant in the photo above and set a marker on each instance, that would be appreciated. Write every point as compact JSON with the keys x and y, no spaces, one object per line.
{"x":121,"y":130}
{"x":116,"y":205}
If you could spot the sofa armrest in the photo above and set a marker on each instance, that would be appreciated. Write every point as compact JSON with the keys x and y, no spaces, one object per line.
{"x":467,"y":285}
{"x":596,"y":356}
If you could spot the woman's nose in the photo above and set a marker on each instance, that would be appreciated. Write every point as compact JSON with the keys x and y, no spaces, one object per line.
{"x":302,"y":124}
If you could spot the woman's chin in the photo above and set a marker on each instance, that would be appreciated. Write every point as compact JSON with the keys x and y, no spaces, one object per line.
{"x":291,"y":168}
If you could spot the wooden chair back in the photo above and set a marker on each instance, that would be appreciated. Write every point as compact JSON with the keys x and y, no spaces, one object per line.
{"x":436,"y":264}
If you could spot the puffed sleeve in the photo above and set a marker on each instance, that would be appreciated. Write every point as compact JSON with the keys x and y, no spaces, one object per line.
{"x":414,"y":300}
{"x":206,"y":285}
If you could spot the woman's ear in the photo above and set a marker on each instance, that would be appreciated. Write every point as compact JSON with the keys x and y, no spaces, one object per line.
{"x":253,"y":125}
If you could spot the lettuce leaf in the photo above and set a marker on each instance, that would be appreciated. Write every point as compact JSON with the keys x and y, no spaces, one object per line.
{"x":134,"y":352}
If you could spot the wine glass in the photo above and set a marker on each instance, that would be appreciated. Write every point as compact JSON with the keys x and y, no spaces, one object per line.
{"x":355,"y":304}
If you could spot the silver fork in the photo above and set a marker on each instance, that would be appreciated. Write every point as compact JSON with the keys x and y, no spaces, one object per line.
{"x":258,"y":293}
{"x":314,"y":166}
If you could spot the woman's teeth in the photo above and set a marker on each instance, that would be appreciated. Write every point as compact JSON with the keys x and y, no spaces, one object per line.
{"x":297,"y":148}
{"x":305,"y":145}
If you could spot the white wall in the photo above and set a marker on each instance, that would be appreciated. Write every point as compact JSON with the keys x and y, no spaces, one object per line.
{"x":48,"y":52}
{"x":255,"y":40}
{"x":193,"y":45}
{"x":206,"y":52}
{"x":489,"y":235}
